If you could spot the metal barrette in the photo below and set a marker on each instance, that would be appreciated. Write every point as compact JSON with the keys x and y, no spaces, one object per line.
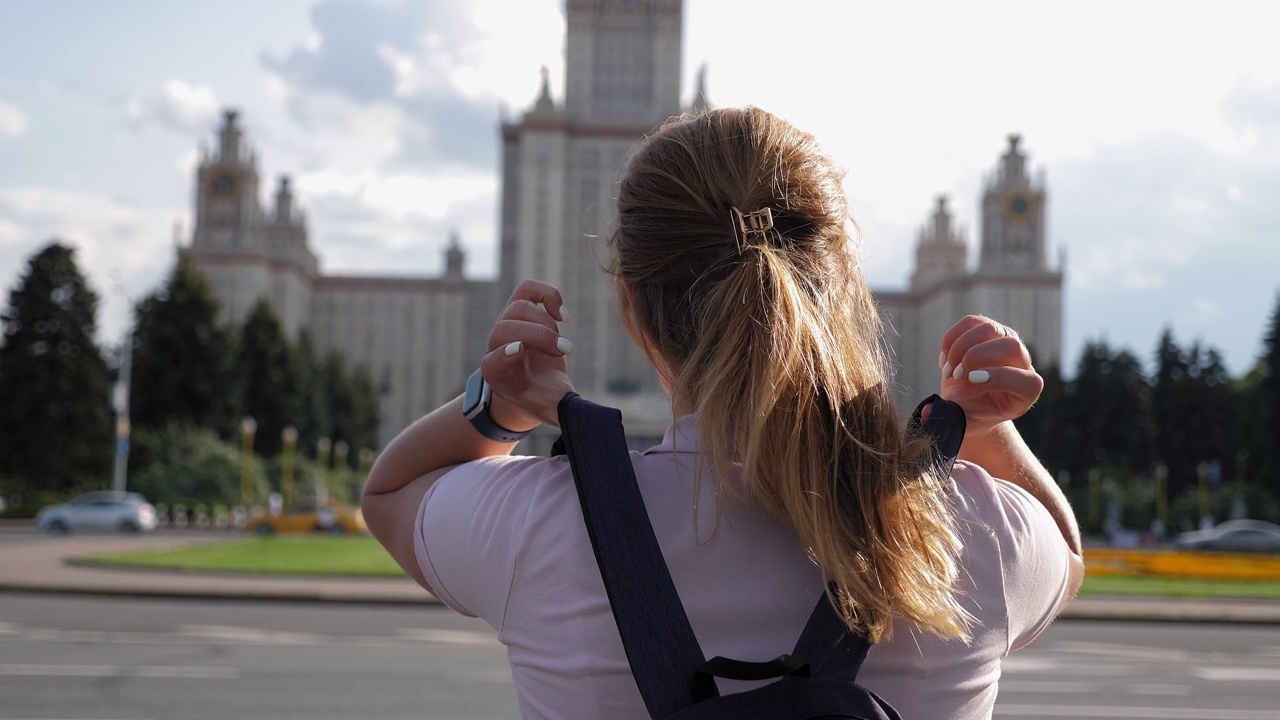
{"x":750,"y":225}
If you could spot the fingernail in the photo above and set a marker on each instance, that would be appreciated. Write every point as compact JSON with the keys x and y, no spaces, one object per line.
{"x":512,"y":348}
{"x":564,"y":346}
{"x":942,"y":358}
{"x":959,"y":373}
{"x":946,"y":370}
{"x":564,"y":315}
{"x":979,"y":376}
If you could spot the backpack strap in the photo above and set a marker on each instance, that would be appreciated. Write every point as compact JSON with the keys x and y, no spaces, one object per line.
{"x":659,"y":641}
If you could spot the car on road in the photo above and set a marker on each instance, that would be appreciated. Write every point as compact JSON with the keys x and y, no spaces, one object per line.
{"x":1234,"y":536}
{"x":332,"y":517}
{"x":99,"y":511}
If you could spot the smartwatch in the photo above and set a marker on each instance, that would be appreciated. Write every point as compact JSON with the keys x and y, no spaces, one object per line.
{"x":475,"y":407}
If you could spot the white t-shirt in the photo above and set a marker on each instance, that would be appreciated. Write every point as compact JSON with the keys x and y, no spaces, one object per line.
{"x":503,"y":539}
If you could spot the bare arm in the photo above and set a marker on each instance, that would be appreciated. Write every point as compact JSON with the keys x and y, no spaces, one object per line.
{"x":527,"y":372}
{"x":995,"y":383}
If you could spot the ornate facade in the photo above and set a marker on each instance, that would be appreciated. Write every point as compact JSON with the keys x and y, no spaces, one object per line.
{"x":421,"y":337}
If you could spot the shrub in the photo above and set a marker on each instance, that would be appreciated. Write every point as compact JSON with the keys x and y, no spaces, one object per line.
{"x":193,"y":464}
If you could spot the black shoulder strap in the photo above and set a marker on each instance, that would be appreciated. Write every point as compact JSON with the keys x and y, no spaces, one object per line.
{"x":666,"y":660}
{"x":660,"y":644}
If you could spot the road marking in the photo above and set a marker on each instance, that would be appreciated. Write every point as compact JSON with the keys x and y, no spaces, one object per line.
{"x":1032,"y":665}
{"x":1126,"y":651}
{"x":124,"y":671}
{"x":447,"y":637}
{"x":1237,"y":673}
{"x":1156,"y":689}
{"x":1105,"y":712}
{"x":1048,"y":686}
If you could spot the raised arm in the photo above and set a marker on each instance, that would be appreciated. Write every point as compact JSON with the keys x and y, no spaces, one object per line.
{"x":527,"y":374}
{"x":988,"y":371}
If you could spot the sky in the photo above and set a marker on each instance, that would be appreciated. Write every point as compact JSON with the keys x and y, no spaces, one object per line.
{"x":1157,"y":126}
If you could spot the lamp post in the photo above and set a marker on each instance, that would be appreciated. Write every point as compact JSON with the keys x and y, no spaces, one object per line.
{"x":1162,"y":494}
{"x":248,"y":427}
{"x":323,"y":446}
{"x":120,"y":403}
{"x":290,"y":438}
{"x":340,"y":450}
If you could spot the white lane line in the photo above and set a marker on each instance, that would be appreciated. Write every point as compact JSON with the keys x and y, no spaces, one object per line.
{"x":1237,"y":673}
{"x":447,"y":637}
{"x":1108,"y":712}
{"x":1048,"y":686}
{"x":122,"y":671}
{"x":1157,"y":689}
{"x":1037,"y":665}
{"x":1136,"y":652}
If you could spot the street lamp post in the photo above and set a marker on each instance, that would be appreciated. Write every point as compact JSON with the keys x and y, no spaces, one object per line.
{"x":120,"y":403}
{"x":248,"y":427}
{"x":290,"y":437}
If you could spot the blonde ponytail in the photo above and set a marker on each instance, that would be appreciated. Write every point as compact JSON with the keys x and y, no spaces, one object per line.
{"x":775,"y":341}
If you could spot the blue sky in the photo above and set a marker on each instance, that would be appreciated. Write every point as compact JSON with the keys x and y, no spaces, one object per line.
{"x":1157,"y":125}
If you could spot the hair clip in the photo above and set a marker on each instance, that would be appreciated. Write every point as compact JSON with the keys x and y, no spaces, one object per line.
{"x":759,"y":222}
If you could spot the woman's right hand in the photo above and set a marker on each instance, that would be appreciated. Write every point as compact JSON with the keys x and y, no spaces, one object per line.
{"x":526,"y":367}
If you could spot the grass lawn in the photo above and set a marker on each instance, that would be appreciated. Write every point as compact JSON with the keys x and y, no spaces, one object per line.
{"x":1181,"y":587}
{"x":362,"y":556}
{"x":289,"y":555}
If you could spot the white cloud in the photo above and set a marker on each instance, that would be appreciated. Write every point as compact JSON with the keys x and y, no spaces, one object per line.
{"x":178,"y":106}
{"x":12,"y":121}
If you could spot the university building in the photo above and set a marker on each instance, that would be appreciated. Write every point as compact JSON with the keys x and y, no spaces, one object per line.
{"x":421,"y":337}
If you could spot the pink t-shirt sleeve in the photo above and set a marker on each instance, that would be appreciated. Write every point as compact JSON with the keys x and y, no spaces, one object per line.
{"x":467,"y":538}
{"x":1035,"y":561}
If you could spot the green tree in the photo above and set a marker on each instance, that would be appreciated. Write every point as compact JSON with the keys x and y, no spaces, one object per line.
{"x":55,"y":423}
{"x":188,"y":464}
{"x":183,"y":360}
{"x":1269,"y":402}
{"x":1106,"y":419}
{"x":1195,"y":412}
{"x":353,"y":400}
{"x":315,"y":420}
{"x":269,"y":378}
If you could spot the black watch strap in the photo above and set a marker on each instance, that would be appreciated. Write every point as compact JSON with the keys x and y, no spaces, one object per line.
{"x":484,"y":424}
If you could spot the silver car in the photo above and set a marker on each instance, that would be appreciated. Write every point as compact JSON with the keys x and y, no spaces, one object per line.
{"x":1234,"y":536}
{"x":99,"y":511}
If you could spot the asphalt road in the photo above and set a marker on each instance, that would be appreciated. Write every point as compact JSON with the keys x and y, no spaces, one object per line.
{"x":124,"y":659}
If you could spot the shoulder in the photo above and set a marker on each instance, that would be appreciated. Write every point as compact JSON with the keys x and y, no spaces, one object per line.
{"x":471,"y":526}
{"x":1033,"y":557}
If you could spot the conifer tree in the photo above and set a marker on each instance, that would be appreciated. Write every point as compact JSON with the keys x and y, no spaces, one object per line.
{"x":1269,"y":401}
{"x":183,"y":360}
{"x":269,"y":378}
{"x":315,"y":419}
{"x":55,"y":422}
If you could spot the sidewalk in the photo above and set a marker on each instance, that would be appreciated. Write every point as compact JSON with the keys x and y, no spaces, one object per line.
{"x":36,"y":563}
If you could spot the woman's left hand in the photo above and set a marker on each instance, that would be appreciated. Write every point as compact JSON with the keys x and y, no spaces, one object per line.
{"x":987,"y":370}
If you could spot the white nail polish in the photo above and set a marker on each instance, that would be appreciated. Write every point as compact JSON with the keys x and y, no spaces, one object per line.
{"x":512,"y":348}
{"x":959,"y":373}
{"x":564,"y":314}
{"x":942,"y":358}
{"x":564,"y":346}
{"x":946,"y":370}
{"x":978,"y":377}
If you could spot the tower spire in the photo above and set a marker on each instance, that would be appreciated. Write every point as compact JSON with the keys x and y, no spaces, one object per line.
{"x":700,"y":101}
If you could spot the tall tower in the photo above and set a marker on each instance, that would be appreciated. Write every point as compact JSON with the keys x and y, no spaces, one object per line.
{"x":941,"y":251}
{"x":246,"y":253}
{"x":1013,"y":217}
{"x":227,"y":207}
{"x":560,"y":166}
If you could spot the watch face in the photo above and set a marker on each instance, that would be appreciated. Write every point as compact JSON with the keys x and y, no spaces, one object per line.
{"x":476,"y":397}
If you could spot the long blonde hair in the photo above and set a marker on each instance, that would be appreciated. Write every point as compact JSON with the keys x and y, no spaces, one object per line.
{"x":774,"y":339}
